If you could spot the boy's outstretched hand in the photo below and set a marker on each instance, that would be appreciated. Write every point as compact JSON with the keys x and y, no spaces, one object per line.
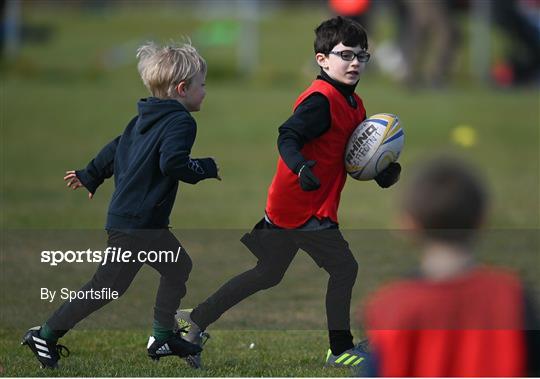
{"x":218,"y":177}
{"x":73,"y":182}
{"x":306,"y":177}
{"x":389,"y":176}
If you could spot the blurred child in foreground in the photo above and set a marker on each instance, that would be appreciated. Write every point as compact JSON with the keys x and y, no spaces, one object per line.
{"x":457,"y":317}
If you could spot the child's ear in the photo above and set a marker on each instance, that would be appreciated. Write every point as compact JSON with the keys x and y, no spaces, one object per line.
{"x":181,"y":88}
{"x":410,"y":226}
{"x":322,"y":60}
{"x":408,"y":223}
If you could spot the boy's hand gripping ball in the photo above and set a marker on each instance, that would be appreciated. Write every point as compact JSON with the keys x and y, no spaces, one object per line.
{"x":374,"y":144}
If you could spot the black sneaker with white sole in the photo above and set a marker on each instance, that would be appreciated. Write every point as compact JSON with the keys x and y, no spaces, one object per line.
{"x":174,"y":345}
{"x":47,"y":353}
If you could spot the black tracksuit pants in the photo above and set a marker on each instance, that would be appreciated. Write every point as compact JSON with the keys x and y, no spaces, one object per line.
{"x":275,"y":249}
{"x":118,"y":277}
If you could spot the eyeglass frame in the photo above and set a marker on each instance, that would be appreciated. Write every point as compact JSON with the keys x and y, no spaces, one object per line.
{"x":363,"y":56}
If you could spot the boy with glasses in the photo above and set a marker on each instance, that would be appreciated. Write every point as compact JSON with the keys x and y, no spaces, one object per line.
{"x":301,"y":209}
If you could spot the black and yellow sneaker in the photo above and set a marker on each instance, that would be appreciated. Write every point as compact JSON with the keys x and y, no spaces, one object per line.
{"x":352,"y":358}
{"x":48,"y":353}
{"x":192,"y":333}
{"x":174,"y":345}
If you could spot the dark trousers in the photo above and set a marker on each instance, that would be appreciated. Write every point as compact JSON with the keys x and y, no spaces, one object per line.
{"x":275,"y":250}
{"x":118,"y":277}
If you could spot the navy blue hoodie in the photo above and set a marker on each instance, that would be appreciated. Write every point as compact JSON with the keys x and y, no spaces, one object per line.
{"x":147,"y":161}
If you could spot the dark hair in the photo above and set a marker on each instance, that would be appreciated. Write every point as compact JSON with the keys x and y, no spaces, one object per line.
{"x":447,"y":200}
{"x":338,"y":29}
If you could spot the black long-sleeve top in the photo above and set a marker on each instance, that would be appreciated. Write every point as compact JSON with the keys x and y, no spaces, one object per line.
{"x":310,"y":120}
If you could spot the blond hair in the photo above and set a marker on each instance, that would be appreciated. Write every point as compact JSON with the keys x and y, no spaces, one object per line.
{"x":163,"y":68}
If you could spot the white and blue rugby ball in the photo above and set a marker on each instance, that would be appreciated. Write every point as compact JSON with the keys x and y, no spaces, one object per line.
{"x":374,"y":144}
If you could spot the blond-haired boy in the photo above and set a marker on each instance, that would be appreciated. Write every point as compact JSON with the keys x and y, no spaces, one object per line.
{"x":147,"y":161}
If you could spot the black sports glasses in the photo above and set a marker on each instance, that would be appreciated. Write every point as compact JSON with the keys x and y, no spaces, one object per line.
{"x":349,"y":55}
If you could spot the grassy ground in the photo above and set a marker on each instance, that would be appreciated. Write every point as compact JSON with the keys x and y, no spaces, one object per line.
{"x":121,"y":353}
{"x":63,"y":100}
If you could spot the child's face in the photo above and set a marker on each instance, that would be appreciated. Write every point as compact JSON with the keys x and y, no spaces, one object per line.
{"x":193,"y":95}
{"x":347,"y":72}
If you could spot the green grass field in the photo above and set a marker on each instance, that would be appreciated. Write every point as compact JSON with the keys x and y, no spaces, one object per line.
{"x":285,"y":353}
{"x":60,"y":104}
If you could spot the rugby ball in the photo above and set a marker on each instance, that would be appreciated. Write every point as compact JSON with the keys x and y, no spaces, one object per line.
{"x":373,"y":145}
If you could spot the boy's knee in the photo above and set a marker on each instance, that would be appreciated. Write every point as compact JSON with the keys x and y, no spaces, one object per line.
{"x":186,"y":264}
{"x":121,"y":290}
{"x":269,"y":281}
{"x":350,"y":268}
{"x":347,"y":269}
{"x":268,"y":278}
{"x":352,"y":263}
{"x":353,"y":268}
{"x":180,"y":274}
{"x":119,"y":286}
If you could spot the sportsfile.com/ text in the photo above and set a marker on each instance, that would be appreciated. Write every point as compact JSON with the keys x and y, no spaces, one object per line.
{"x":109,"y":255}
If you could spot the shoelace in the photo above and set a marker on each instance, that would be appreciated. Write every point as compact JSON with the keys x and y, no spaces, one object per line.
{"x":204,"y":335}
{"x":184,"y":329}
{"x":62,"y":350}
{"x":181,"y":330}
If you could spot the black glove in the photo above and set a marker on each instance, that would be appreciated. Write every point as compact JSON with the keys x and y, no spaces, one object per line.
{"x":389,"y":176}
{"x":308,"y":180}
{"x":210,"y":167}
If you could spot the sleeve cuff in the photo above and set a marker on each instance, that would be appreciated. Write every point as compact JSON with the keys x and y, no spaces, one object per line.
{"x":86,"y":181}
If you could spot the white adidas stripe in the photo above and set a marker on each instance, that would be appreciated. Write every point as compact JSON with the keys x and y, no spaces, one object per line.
{"x":43,"y":355}
{"x":44,"y":348}
{"x":164,"y":349}
{"x":39,"y":340}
